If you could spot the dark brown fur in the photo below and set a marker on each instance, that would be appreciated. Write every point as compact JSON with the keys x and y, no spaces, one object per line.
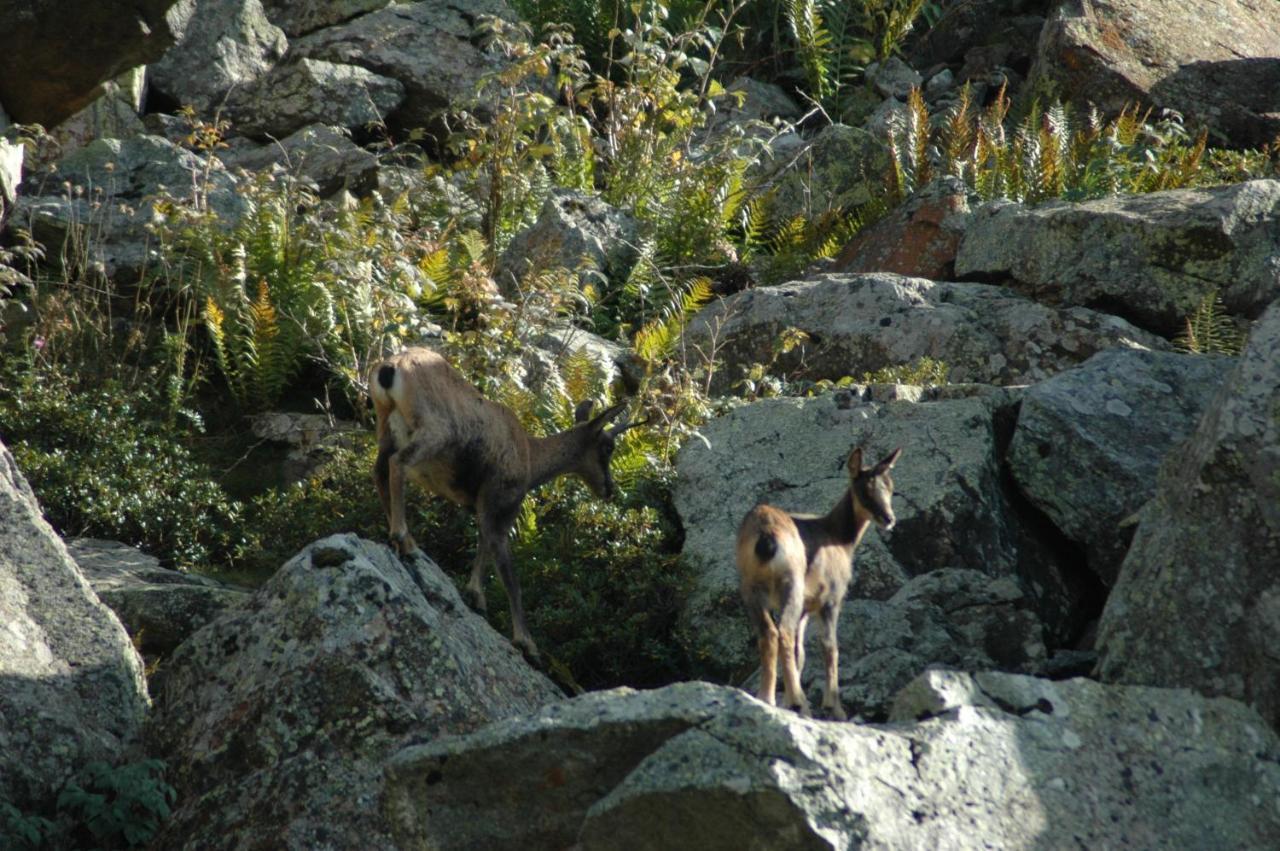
{"x":798,"y":565}
{"x":435,"y":428}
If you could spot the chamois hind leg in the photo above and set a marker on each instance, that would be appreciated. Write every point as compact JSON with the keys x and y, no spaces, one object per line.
{"x":831,"y":705}
{"x":391,"y":491}
{"x":800,"y":631}
{"x":788,"y":626}
{"x":756,"y":603}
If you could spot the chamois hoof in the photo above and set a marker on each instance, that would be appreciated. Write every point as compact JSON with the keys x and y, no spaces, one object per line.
{"x":801,"y":709}
{"x":835,"y":713}
{"x":529,"y":651}
{"x":476,"y":601}
{"x":403,"y":545}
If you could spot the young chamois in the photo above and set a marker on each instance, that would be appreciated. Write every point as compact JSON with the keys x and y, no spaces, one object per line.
{"x":799,"y":564}
{"x":435,"y":428}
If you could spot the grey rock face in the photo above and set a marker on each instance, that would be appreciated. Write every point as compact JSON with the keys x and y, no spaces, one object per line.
{"x":1089,"y":441}
{"x":1014,"y":761}
{"x":55,"y":55}
{"x":574,"y":231}
{"x":321,"y":155}
{"x":342,"y":657}
{"x":312,"y":91}
{"x":159,"y":607}
{"x":864,"y":322}
{"x":71,"y":686}
{"x":1197,"y":603}
{"x":222,"y":44}
{"x":1150,"y":257}
{"x":950,"y":618}
{"x":1216,"y":64}
{"x":838,"y":168}
{"x":893,"y":78}
{"x":951,"y":505}
{"x":113,"y":115}
{"x":111,"y":184}
{"x":425,"y":46}
{"x":300,"y":17}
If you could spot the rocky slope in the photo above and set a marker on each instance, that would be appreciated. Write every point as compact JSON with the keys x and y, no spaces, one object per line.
{"x":1078,"y":469}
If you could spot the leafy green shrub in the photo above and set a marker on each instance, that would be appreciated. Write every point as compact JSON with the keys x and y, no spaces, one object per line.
{"x":604,"y":585}
{"x":103,"y":462}
{"x":22,"y":831}
{"x":118,"y":806}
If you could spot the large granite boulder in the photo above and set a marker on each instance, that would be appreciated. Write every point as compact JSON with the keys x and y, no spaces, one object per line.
{"x":1089,"y":441}
{"x":1197,"y":603}
{"x":55,"y":55}
{"x":324,"y":157}
{"x":574,"y":231}
{"x":275,"y":719}
{"x":222,"y":44}
{"x":160,"y":608}
{"x":294,"y":95}
{"x":860,"y":323}
{"x":918,"y":239}
{"x":1217,"y":64}
{"x":953,"y":507}
{"x":427,"y":47}
{"x":71,"y":686}
{"x":1151,"y":258}
{"x":300,"y":17}
{"x":988,"y":759}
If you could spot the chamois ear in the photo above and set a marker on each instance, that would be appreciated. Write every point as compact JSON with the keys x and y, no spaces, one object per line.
{"x":582,"y":412}
{"x":855,"y":461}
{"x":888,"y":461}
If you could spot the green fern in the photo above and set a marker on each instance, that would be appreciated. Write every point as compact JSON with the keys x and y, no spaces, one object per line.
{"x":657,"y":340}
{"x":1209,"y":329}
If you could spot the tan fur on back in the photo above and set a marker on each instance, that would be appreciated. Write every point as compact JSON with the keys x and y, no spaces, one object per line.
{"x":430,"y":401}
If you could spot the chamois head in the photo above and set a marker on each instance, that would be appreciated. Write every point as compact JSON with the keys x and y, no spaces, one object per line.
{"x":872,"y":487}
{"x":593,"y":465}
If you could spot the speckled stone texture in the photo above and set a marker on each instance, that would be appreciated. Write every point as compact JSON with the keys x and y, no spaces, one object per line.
{"x":276,"y":719}
{"x":992,"y":760}
{"x":1197,"y":603}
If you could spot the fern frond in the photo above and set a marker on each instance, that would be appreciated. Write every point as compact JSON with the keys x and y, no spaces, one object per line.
{"x":1209,"y":329}
{"x":657,"y":340}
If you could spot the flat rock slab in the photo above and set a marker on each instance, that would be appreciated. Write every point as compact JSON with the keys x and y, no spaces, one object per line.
{"x":994,"y":759}
{"x":864,"y":322}
{"x":1151,"y":258}
{"x":159,"y":607}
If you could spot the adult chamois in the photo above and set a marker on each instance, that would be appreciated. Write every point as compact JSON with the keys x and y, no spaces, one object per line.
{"x":800,"y":564}
{"x":434,"y":427}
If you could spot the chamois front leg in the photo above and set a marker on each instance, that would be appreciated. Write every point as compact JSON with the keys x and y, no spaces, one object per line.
{"x":831,"y":705}
{"x":495,"y":516}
